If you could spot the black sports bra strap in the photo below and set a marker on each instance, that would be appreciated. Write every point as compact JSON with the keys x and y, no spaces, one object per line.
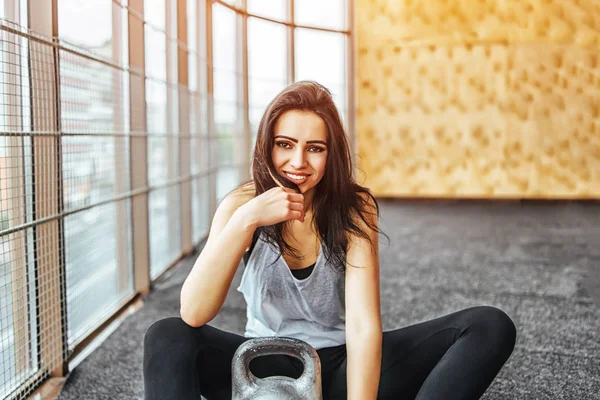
{"x":246,"y":256}
{"x":254,"y":240}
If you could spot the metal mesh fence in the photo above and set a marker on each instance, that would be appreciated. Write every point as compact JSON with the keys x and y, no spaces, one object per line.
{"x":30,"y":247}
{"x":65,"y":245}
{"x":71,"y":120}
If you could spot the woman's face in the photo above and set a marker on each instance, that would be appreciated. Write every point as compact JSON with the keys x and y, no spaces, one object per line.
{"x":300,"y":148}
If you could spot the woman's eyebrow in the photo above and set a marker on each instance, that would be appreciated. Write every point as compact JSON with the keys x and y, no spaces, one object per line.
{"x":296,"y":140}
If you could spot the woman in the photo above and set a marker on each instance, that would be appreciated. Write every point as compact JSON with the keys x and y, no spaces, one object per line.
{"x":309,"y":235}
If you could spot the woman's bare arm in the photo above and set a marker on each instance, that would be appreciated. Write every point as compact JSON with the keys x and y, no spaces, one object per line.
{"x":205,"y":289}
{"x":363,"y":315}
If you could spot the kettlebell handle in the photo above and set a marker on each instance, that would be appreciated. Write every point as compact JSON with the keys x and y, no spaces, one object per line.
{"x":264,"y":346}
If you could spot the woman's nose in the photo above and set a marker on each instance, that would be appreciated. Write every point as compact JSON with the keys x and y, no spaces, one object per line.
{"x":298,"y":159}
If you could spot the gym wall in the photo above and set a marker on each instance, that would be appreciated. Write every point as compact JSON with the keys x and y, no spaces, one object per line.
{"x":479,"y":99}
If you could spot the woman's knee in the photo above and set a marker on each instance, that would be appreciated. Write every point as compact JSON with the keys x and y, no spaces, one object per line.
{"x":497,"y":326}
{"x":168,"y":333}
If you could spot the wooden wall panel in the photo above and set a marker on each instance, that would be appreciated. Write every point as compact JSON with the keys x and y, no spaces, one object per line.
{"x":479,"y":98}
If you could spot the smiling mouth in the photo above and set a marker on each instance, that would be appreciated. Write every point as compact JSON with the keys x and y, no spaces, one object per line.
{"x":297,"y":179}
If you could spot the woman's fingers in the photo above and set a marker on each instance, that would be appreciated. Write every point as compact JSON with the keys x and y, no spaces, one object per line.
{"x":296,"y":206}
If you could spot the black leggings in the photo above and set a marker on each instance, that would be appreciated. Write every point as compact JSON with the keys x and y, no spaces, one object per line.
{"x":456,"y":356}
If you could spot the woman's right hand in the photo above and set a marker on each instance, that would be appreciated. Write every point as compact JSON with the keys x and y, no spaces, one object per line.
{"x":276,"y":205}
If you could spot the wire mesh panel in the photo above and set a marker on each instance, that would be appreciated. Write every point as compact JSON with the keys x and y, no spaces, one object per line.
{"x":95,"y":164}
{"x":27,"y":208}
{"x":65,"y":258}
{"x":94,"y":122}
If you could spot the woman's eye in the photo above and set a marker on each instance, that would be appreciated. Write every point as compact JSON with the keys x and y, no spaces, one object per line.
{"x":285,"y":145}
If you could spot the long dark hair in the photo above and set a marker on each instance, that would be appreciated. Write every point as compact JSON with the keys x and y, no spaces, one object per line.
{"x":338,"y":199}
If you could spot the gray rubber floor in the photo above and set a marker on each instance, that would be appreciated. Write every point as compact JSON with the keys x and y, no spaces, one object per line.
{"x":537,"y":261}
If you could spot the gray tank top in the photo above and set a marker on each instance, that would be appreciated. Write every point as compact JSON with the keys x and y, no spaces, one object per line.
{"x":278,"y":304}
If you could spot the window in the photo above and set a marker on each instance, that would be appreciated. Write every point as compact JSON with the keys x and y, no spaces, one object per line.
{"x":154,"y":14}
{"x":236,"y":3}
{"x":66,"y":157}
{"x":228,"y":109}
{"x":267,"y":67}
{"x":321,"y":13}
{"x":225,"y":73}
{"x":321,"y":56}
{"x":199,"y":141}
{"x":275,"y":9}
{"x":92,"y":17}
{"x":94,"y":110}
{"x":161,"y":124}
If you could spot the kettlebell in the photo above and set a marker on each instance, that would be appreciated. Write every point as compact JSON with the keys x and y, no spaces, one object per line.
{"x":246,"y":386}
